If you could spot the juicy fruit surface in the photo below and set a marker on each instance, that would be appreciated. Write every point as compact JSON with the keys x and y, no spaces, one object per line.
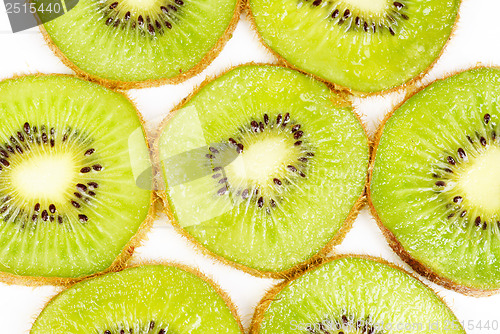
{"x":69,"y":202}
{"x":136,"y":41}
{"x":435,"y":179}
{"x":150,"y":299}
{"x":355,"y":295}
{"x":366,"y":46}
{"x":297,"y":164}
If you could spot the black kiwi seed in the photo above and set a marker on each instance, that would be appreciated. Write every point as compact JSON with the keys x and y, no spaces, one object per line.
{"x":478,"y":221}
{"x":487,"y":118}
{"x":457,"y":199}
{"x":90,"y":151}
{"x":278,"y":119}
{"x":440,"y":183}
{"x":347,"y":14}
{"x":461,"y":153}
{"x":45,"y":215}
{"x":451,"y":161}
{"x":335,"y":13}
{"x":483,"y":141}
{"x":140,"y":20}
{"x":113,"y":5}
{"x":398,"y":5}
{"x":222,"y":191}
{"x":266,"y":119}
{"x":298,"y":134}
{"x":260,"y":202}
{"x":298,"y":143}
{"x":295,"y":128}
{"x":83,"y":218}
{"x":151,"y":325}
{"x":277,"y":181}
{"x":85,"y":170}
{"x":52,"y":208}
{"x":81,"y":187}
{"x":291,"y":168}
{"x":93,"y":185}
{"x":317,"y":2}
{"x":75,"y":204}
{"x":162,"y":331}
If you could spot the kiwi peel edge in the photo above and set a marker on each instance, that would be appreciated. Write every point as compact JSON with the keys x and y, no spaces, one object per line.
{"x":192,"y":270}
{"x":291,"y":272}
{"x":125,"y":85}
{"x":391,"y":239}
{"x":121,"y":260}
{"x":270,"y":295}
{"x":409,"y":86}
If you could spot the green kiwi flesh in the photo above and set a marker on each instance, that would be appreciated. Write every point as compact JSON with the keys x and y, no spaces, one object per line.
{"x":69,"y":203}
{"x":362,"y":45}
{"x":276,"y":166}
{"x":353,"y":295}
{"x":153,"y":299}
{"x":435,"y":181}
{"x":137,"y":41}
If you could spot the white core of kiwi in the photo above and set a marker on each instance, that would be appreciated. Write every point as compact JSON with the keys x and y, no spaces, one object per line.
{"x":368,"y":6}
{"x":479,"y":181}
{"x":139,"y":6}
{"x":260,"y":160}
{"x":44,"y":176}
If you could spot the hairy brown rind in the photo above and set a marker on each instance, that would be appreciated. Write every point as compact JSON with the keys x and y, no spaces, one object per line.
{"x":222,"y":293}
{"x":271,"y":294}
{"x":411,"y":85}
{"x":285,"y":274}
{"x":120,"y":262}
{"x":124,"y":85}
{"x":396,"y":246}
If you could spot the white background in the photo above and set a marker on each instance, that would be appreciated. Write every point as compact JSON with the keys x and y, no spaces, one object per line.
{"x":476,"y":41}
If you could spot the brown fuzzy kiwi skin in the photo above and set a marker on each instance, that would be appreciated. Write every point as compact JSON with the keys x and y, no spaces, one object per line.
{"x":120,"y":262}
{"x":393,"y":242}
{"x":183,"y":76}
{"x":272,"y":294}
{"x":222,"y":293}
{"x":410,"y":85}
{"x":285,"y":274}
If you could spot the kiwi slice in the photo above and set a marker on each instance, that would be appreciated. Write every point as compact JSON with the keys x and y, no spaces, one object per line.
{"x":141,"y":43}
{"x":264,"y":167}
{"x":364,"y":46}
{"x":435,"y":182}
{"x":353,"y":294}
{"x":153,"y":299}
{"x":69,"y":203}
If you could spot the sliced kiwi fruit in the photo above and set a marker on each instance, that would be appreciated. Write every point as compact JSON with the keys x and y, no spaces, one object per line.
{"x":364,"y":46}
{"x":152,"y":299}
{"x":264,"y":167}
{"x":129,"y":44}
{"x":69,"y":203}
{"x":353,"y":294}
{"x":435,"y":184}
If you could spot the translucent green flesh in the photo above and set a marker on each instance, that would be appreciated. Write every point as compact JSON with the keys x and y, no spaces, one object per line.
{"x":307,"y":37}
{"x":309,"y":210}
{"x":175,"y":300}
{"x":127,"y":54}
{"x":415,"y":144}
{"x":104,"y":120}
{"x":361,"y":290}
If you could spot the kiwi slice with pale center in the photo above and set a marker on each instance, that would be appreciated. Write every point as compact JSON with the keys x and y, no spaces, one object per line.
{"x":152,"y":299}
{"x":435,"y":186}
{"x":138,"y":43}
{"x":362,"y":45}
{"x":264,"y":167}
{"x":351,"y":294}
{"x":69,"y":203}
